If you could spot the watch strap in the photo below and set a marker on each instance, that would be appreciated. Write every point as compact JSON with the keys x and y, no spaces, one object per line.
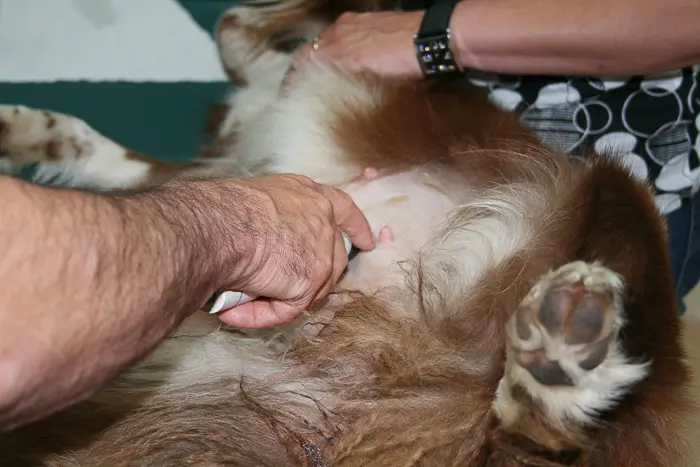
{"x":436,"y":20}
{"x":432,"y":41}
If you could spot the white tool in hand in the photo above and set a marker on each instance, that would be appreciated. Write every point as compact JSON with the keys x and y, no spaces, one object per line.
{"x":229,"y":299}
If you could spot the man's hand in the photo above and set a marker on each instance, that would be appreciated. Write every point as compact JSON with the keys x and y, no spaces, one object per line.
{"x":381,"y":42}
{"x":121,"y":271}
{"x":298,"y":253}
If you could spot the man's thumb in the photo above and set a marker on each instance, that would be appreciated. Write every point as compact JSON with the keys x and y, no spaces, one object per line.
{"x":261,"y":313}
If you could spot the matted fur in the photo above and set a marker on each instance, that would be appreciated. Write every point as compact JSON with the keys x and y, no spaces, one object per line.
{"x":525,"y":314}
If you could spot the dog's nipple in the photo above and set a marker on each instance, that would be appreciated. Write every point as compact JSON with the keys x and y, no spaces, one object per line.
{"x":370,"y":173}
{"x":386,"y":234}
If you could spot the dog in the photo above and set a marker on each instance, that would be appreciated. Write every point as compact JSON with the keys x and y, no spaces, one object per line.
{"x":523,"y":314}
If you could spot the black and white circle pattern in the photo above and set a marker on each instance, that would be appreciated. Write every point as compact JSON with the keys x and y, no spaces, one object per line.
{"x":650,"y":122}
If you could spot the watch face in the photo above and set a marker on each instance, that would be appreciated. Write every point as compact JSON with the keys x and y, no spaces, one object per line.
{"x":435,"y":55}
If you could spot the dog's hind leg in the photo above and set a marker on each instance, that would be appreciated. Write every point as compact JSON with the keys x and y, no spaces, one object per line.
{"x":563,"y":351}
{"x":594,"y":373}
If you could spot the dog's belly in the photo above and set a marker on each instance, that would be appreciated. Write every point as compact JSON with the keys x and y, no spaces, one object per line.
{"x":413,"y":205}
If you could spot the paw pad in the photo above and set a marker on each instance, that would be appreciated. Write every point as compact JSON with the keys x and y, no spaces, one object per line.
{"x":567,"y":321}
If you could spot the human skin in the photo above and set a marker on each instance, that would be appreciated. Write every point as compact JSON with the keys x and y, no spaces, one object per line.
{"x":93,"y":282}
{"x":575,"y":37}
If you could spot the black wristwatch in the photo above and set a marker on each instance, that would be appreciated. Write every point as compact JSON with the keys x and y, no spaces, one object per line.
{"x":432,"y":41}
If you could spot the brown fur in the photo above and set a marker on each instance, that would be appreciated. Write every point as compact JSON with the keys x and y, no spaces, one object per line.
{"x":409,"y":377}
{"x":422,"y":390}
{"x":215,"y":117}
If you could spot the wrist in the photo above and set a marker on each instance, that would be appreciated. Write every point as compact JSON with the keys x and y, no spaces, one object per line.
{"x":461,"y":44}
{"x":170,"y":226}
{"x":211,"y":222}
{"x":434,"y":43}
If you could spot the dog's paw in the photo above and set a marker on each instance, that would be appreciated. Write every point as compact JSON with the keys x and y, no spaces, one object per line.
{"x":65,"y":150}
{"x":567,"y":323}
{"x":29,"y":136}
{"x":562,"y":343}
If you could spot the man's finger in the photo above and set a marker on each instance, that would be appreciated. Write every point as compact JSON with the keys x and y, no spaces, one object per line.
{"x":260,"y":313}
{"x":350,"y":219}
{"x":340,"y":258}
{"x":340,"y":261}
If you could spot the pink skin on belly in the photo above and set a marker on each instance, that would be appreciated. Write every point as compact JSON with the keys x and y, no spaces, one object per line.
{"x":404,"y":210}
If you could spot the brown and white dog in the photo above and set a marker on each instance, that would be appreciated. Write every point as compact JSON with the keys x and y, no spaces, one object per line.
{"x":523,"y":315}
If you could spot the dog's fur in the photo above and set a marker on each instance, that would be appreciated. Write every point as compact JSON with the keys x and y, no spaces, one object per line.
{"x":524,"y":315}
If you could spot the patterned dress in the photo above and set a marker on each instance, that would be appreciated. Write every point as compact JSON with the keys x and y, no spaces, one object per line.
{"x":651,"y":123}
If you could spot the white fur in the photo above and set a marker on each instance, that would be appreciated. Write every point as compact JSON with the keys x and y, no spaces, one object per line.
{"x":241,"y":51}
{"x":106,"y":168}
{"x":594,"y":391}
{"x":85,"y":157}
{"x":295,"y":133}
{"x":482,"y":233}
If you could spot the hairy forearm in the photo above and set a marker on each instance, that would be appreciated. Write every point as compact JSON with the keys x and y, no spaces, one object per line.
{"x":91,"y":283}
{"x":591,"y":37}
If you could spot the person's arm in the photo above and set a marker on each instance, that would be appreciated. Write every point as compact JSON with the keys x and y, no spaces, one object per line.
{"x":558,"y":37}
{"x":577,"y":37}
{"x":91,"y":283}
